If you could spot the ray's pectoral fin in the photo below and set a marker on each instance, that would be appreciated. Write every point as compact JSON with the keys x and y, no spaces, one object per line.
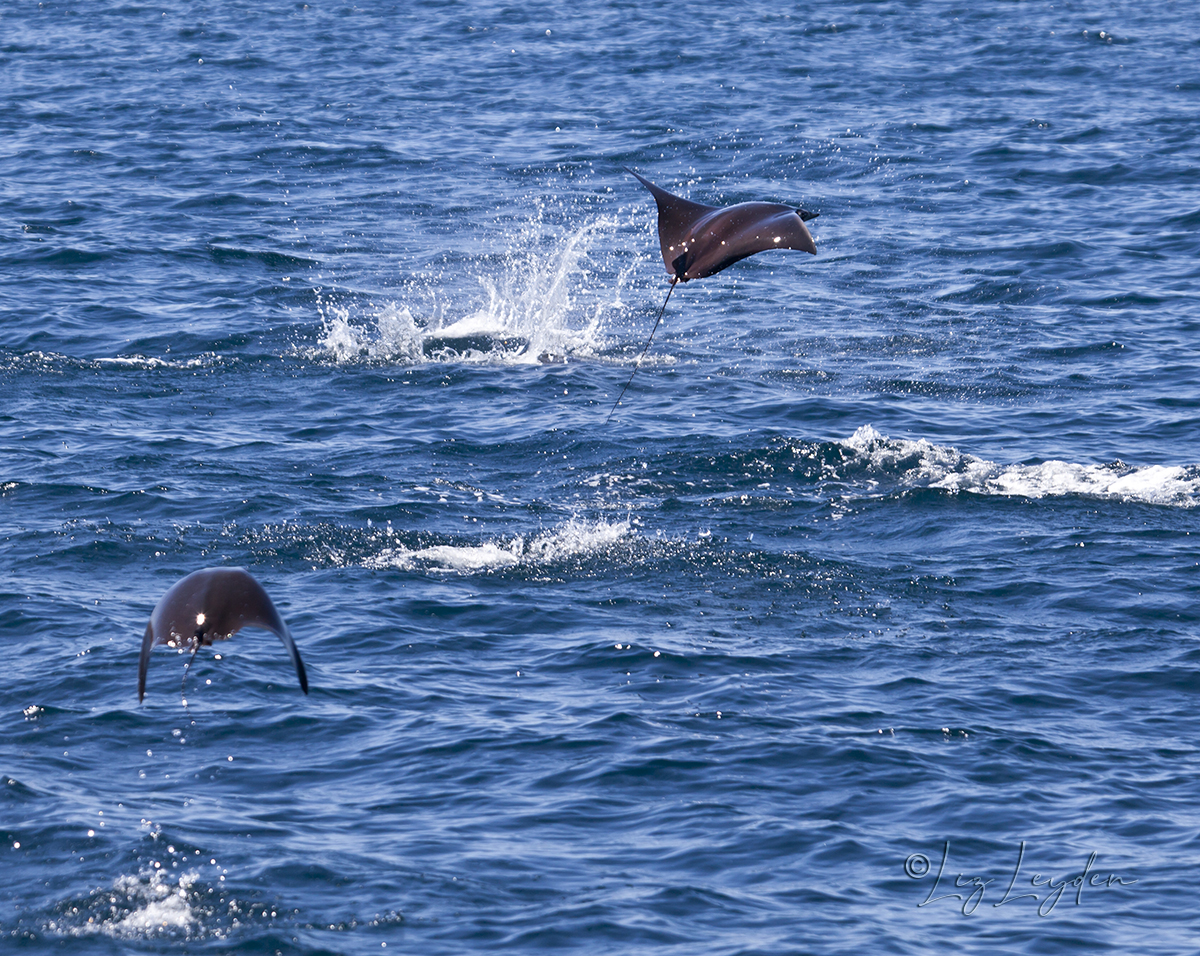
{"x":805,"y":215}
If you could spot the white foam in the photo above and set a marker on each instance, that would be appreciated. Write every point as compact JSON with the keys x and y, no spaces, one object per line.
{"x":53,"y":361}
{"x":923,"y":463}
{"x":156,"y":905}
{"x":887,"y":454}
{"x":169,"y":910}
{"x":574,"y":538}
{"x":143,"y":361}
{"x":1155,"y":484}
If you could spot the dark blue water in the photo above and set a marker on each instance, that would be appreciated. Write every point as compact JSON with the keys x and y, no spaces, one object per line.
{"x":884,"y":567}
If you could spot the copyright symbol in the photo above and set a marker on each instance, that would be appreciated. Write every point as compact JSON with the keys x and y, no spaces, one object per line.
{"x":916,"y":866}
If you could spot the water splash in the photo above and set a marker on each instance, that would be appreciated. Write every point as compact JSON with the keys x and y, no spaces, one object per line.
{"x":540,"y":305}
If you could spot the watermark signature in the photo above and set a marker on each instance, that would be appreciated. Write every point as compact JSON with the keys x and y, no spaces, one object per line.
{"x":917,"y":867}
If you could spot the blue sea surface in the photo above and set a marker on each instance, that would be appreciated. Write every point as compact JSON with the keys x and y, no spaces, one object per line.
{"x":868,"y":624}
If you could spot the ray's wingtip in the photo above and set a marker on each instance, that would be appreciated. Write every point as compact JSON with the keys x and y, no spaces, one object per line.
{"x":640,"y":178}
{"x":285,"y":636}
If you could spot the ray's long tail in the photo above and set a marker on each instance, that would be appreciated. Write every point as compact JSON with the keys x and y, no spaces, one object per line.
{"x":637,"y":364}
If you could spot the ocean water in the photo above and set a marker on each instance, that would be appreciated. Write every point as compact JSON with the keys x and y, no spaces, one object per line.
{"x":867,"y":625}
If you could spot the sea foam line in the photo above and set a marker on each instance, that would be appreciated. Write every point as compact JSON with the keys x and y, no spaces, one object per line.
{"x":572,"y":539}
{"x":940,"y":466}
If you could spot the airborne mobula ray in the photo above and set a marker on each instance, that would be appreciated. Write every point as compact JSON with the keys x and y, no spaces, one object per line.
{"x":699,"y":241}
